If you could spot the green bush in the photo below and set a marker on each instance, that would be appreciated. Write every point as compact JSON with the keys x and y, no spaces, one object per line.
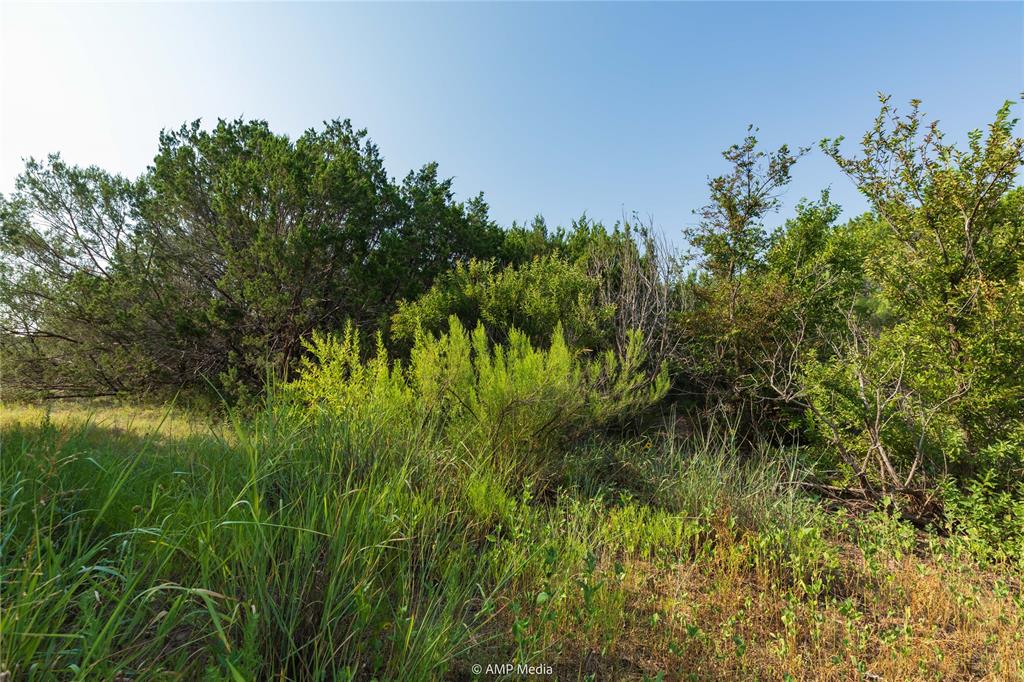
{"x":986,"y":519}
{"x":534,"y":298}
{"x":513,"y":401}
{"x":209,"y":269}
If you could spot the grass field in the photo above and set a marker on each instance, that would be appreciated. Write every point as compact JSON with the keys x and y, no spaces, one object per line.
{"x":151,"y":544}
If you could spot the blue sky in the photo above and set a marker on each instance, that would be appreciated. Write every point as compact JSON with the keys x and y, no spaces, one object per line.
{"x":547,"y":108}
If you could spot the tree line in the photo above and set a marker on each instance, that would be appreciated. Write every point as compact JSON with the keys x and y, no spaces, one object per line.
{"x":889,"y":345}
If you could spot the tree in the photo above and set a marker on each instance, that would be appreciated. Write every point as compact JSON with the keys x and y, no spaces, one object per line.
{"x":948,"y":262}
{"x":730,"y":237}
{"x":210,"y":269}
{"x":730,"y":242}
{"x":601,"y":286}
{"x":64,"y":324}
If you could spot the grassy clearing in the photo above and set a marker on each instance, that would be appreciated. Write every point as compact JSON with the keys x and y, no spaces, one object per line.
{"x":169,"y":423}
{"x":294,"y":546}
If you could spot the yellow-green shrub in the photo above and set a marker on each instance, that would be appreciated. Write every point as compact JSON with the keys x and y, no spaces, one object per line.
{"x":512,"y":402}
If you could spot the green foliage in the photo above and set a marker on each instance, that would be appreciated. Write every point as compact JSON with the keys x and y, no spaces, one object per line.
{"x":733,"y":304}
{"x":986,"y":518}
{"x":535,"y":298}
{"x":599,"y":285}
{"x":512,"y":402}
{"x":730,"y":237}
{"x":211,"y":267}
{"x":891,"y":343}
{"x":61,"y":237}
{"x":888,"y":346}
{"x":928,"y":385}
{"x":744,"y":339}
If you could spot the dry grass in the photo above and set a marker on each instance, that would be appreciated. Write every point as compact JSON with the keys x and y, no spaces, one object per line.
{"x":916,"y":619}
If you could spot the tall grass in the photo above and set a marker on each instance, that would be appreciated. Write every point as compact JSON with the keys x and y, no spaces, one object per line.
{"x":300,"y":549}
{"x":347,"y":530}
{"x":361,"y":526}
{"x":295,"y":543}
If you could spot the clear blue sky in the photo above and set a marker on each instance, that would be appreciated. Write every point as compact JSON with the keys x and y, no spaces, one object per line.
{"x":547,"y":108}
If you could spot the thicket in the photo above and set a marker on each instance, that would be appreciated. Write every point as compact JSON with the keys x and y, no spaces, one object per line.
{"x":510,"y":403}
{"x":210,"y":269}
{"x":885,"y":349}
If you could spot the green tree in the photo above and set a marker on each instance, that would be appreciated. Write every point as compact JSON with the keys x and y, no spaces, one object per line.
{"x":536,"y":297}
{"x":929,"y":379}
{"x":729,"y":242}
{"x":233,"y":246}
{"x":65,"y":318}
{"x":600,"y":285}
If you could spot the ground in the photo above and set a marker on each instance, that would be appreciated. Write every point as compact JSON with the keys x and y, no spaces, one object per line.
{"x":596,"y":588}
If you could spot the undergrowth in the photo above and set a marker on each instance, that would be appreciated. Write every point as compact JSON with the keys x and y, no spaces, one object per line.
{"x":479,"y":506}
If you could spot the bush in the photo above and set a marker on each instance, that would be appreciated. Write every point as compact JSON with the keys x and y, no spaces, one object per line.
{"x":513,"y":402}
{"x":986,"y":519}
{"x":534,"y":298}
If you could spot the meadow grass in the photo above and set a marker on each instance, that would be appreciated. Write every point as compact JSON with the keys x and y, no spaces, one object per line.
{"x":291,"y":544}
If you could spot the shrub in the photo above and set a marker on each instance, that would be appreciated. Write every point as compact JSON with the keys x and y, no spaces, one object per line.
{"x":534,"y":298}
{"x":988,"y":521}
{"x":510,"y":401}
